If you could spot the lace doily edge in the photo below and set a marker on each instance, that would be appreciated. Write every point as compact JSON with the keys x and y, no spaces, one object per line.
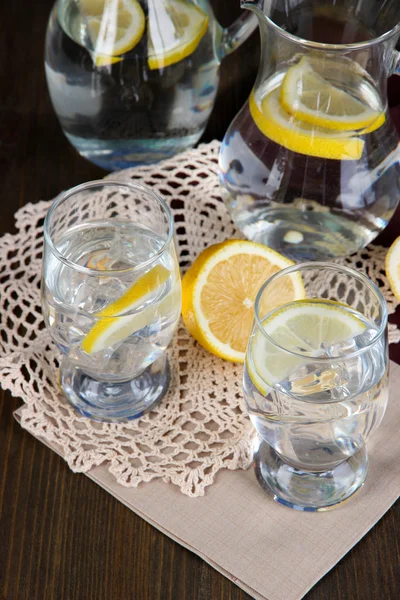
{"x":191,"y":484}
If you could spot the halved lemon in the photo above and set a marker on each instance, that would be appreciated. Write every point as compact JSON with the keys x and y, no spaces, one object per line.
{"x":392,"y":267}
{"x":175,"y":30}
{"x":113,"y":325}
{"x":114,"y":27}
{"x":309,"y":97}
{"x":219,"y":289}
{"x":304,"y":327}
{"x":304,"y":138}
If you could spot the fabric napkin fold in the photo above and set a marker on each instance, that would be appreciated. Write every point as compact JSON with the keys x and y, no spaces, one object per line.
{"x":272,"y":552}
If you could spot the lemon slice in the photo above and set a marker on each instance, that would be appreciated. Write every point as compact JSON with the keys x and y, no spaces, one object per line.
{"x":175,"y":30}
{"x":112,"y":325}
{"x":392,"y":267}
{"x":219,"y":289}
{"x":311,"y":98}
{"x":303,"y":327}
{"x":114,"y":27}
{"x":295,"y":135}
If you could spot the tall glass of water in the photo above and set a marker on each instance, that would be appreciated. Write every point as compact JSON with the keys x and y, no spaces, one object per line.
{"x":316,"y":383}
{"x":111,"y":296}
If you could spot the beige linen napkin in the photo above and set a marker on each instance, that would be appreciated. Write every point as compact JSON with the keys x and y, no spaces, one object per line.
{"x":272,"y":552}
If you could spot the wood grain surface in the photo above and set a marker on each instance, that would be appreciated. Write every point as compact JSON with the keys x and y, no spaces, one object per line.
{"x":61,"y":536}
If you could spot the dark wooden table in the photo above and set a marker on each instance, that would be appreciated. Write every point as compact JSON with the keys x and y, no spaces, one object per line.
{"x":61,"y":536}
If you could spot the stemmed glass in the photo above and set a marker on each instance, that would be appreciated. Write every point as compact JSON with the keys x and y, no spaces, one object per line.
{"x":316,"y":383}
{"x":111,"y":296}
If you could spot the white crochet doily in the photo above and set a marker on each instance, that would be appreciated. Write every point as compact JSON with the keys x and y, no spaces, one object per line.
{"x":201,"y":426}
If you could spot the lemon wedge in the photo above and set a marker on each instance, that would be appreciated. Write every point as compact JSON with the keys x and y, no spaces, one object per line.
{"x":304,"y":138}
{"x":175,"y":30}
{"x":114,"y":27}
{"x":392,"y":267}
{"x":219,"y":289}
{"x":302,"y":327}
{"x":309,"y":97}
{"x":113,"y":325}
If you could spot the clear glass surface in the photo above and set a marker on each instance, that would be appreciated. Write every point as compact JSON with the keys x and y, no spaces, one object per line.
{"x":111,"y":296}
{"x":295,"y":179}
{"x":316,"y":383}
{"x":119,"y":111}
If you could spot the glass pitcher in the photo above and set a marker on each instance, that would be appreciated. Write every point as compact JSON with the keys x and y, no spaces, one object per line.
{"x":311,"y":164}
{"x":134,"y":81}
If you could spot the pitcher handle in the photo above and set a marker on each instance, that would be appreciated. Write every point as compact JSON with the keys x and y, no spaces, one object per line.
{"x":396,"y":63}
{"x":237,"y":33}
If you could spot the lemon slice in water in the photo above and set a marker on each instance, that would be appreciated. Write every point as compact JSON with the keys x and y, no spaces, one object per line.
{"x":304,"y":138}
{"x":113,"y":325}
{"x":303,"y":327}
{"x":114,"y":27}
{"x":175,"y":30}
{"x":309,"y":97}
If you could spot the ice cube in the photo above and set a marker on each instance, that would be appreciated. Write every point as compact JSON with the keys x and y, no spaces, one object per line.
{"x":92,"y":294}
{"x":339,"y":349}
{"x":365,"y":337}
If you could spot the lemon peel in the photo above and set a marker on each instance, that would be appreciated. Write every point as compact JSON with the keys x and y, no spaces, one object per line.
{"x":102,"y":60}
{"x":145,"y":285}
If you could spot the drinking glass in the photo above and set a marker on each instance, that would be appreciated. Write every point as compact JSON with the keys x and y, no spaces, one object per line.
{"x":316,"y":383}
{"x":111,"y":296}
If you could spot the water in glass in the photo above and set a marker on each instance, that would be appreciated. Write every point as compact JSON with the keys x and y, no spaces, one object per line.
{"x":111,"y":296}
{"x":316,"y":384}
{"x":73,"y":301}
{"x":320,"y":415}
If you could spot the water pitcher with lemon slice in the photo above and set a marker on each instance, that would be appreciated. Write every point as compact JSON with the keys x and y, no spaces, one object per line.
{"x":311,"y":164}
{"x":134,"y":81}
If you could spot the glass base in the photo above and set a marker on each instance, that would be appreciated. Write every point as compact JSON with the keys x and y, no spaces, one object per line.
{"x":114,"y":155}
{"x":305,"y":490}
{"x":304,"y":235}
{"x":116,"y":401}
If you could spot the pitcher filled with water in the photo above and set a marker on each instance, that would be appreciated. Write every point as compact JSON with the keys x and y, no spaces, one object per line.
{"x":311,"y":164}
{"x":134,"y":81}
